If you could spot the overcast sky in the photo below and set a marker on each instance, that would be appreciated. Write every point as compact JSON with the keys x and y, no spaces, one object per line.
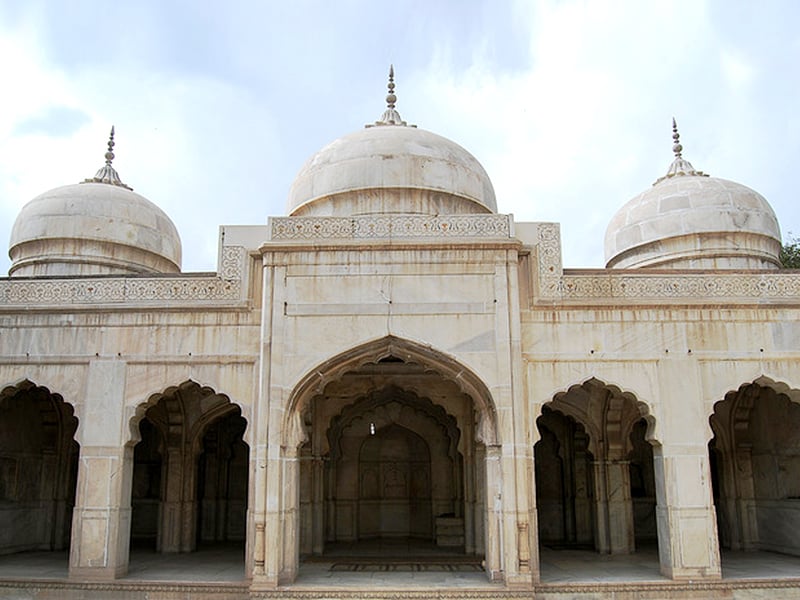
{"x":568,"y":105}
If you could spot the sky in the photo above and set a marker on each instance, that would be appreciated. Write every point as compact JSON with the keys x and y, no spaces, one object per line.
{"x":567,"y":104}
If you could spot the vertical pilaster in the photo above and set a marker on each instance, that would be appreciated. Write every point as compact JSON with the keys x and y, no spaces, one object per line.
{"x":263,"y":466}
{"x":494,"y":514}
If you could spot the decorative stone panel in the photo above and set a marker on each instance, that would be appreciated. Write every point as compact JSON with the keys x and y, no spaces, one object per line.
{"x":224,"y":288}
{"x":391,"y":226}
{"x":599,"y":285}
{"x":681,"y":286}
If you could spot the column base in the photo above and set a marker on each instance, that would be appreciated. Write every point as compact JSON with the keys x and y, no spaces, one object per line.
{"x":97,"y":573}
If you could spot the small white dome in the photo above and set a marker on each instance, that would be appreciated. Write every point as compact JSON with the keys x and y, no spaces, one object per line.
{"x":689,"y":220}
{"x":391,"y":167}
{"x":96,"y":227}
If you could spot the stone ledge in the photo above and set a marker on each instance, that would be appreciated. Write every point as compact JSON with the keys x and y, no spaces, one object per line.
{"x":182,"y":290}
{"x":741,"y":589}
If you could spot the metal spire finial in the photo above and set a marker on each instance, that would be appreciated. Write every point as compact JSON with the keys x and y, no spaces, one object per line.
{"x":390,"y":97}
{"x":107,"y":173}
{"x":680,"y":166}
{"x":676,"y":139}
{"x":110,"y":153}
{"x":390,"y":116}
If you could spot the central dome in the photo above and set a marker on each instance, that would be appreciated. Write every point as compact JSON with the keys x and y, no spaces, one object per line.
{"x":391,"y":168}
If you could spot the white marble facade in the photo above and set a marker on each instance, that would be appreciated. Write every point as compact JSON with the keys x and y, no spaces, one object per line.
{"x":396,"y":358}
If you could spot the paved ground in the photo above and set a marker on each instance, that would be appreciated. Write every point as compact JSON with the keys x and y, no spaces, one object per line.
{"x":226,"y":564}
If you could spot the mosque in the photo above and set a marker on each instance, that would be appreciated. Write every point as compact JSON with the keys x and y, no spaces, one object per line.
{"x":397,"y":378}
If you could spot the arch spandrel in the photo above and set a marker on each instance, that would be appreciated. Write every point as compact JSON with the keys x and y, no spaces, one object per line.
{"x":389,"y":348}
{"x":721,"y":377}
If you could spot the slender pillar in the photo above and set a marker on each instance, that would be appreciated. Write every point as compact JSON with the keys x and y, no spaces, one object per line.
{"x":620,"y":507}
{"x":583,"y":509}
{"x":318,"y":505}
{"x":601,"y":525}
{"x":468,"y":465}
{"x":170,"y":530}
{"x":494,"y":514}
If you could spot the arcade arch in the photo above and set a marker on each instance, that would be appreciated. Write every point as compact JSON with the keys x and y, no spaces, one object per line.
{"x":755,"y":467}
{"x":595,"y":475}
{"x":190,"y":471}
{"x":38,"y":469}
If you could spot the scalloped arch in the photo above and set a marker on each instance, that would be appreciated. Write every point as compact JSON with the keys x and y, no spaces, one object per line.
{"x":225,"y":406}
{"x":563,"y":402}
{"x":742,"y":401}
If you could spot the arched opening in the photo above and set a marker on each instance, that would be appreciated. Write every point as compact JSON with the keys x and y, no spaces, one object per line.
{"x":755,"y":468}
{"x":643,"y":486}
{"x":394,"y":495}
{"x":394,"y":471}
{"x":595,"y":475}
{"x":564,"y":488}
{"x":391,"y":458}
{"x":38,"y":470}
{"x":190,"y":474}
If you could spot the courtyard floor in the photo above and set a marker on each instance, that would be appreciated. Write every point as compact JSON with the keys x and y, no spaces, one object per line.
{"x":414,"y":565}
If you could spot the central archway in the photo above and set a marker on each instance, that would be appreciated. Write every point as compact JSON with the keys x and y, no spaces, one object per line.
{"x":391,"y":441}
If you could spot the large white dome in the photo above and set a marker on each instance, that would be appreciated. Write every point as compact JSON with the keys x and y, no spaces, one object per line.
{"x":96,"y":227}
{"x":391,"y":167}
{"x":688,"y":220}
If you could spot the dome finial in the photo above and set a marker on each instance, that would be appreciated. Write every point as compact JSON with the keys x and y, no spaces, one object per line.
{"x":390,"y":116}
{"x":680,"y":166}
{"x":110,"y":153}
{"x":676,"y":139}
{"x":107,"y":173}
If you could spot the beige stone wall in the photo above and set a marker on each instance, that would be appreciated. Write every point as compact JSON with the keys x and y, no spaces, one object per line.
{"x":492,"y":315}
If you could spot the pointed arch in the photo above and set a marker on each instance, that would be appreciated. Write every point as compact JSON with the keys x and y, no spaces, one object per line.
{"x":38,"y":468}
{"x":592,"y":424}
{"x":215,"y":404}
{"x":753,"y":450}
{"x":595,"y":404}
{"x":389,"y":349}
{"x":184,"y":470}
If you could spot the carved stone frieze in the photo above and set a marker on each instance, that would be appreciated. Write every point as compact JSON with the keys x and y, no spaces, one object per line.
{"x":681,"y":286}
{"x":231,"y":266}
{"x":548,"y":250}
{"x":639,"y":284}
{"x":225,"y":287}
{"x":391,"y":226}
